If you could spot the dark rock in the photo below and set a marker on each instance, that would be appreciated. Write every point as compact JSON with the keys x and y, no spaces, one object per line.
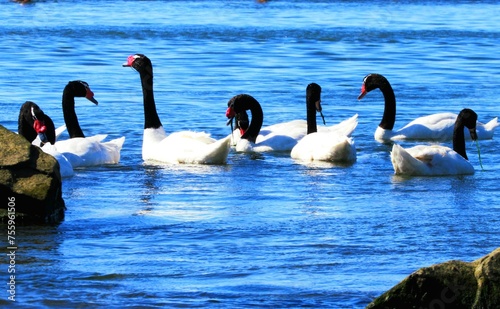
{"x":32,"y":178}
{"x":453,"y":284}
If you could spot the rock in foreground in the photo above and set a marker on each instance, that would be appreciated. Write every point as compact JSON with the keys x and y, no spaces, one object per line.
{"x":454,"y":284}
{"x":30,"y":179}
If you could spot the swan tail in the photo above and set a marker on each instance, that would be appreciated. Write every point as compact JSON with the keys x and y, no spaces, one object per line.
{"x":113,"y":150}
{"x":217,"y":152}
{"x":118,"y":142}
{"x":486,"y":130}
{"x":347,"y":126}
{"x":403,"y":162}
{"x":492,"y":124}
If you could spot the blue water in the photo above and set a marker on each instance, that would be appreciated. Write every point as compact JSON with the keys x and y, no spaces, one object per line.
{"x":262,"y":231}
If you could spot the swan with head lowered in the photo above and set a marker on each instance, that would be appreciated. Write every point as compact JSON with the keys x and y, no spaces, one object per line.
{"x":251,"y":137}
{"x":436,"y":160}
{"x":437,"y":127}
{"x":78,"y":149}
{"x":331,"y":145}
{"x":179,"y":147}
{"x":36,"y":126}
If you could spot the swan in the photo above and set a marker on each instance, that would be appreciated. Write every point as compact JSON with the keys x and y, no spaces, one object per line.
{"x":332,"y":146}
{"x":435,"y":160}
{"x":78,"y":149}
{"x":438,"y":127}
{"x":37,"y":127}
{"x":278,"y":137}
{"x":179,"y":147}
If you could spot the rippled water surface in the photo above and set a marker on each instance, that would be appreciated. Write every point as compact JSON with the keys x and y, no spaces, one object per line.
{"x":262,"y":231}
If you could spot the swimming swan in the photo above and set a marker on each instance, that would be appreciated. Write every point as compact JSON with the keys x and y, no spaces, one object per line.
{"x":179,"y":147}
{"x":78,"y":149}
{"x":435,"y":160}
{"x":332,"y":145}
{"x":438,"y":127}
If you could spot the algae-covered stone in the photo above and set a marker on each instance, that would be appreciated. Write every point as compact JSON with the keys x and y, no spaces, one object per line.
{"x":32,"y":178}
{"x":453,"y":284}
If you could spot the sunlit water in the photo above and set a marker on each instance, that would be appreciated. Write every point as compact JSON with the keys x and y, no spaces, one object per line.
{"x":262,"y":231}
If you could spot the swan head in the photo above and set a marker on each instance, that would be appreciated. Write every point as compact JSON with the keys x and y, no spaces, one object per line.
{"x":33,"y":121}
{"x":235,"y":110}
{"x":237,"y":107}
{"x":79,"y":88}
{"x":371,"y":82}
{"x":139,"y":62}
{"x":468,"y":118}
{"x":313,"y":97}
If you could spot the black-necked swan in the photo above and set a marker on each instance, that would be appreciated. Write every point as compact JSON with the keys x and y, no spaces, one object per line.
{"x":78,"y":149}
{"x":436,"y":160}
{"x":35,"y":125}
{"x":251,"y":137}
{"x":179,"y":147}
{"x":331,"y":146}
{"x":438,"y":127}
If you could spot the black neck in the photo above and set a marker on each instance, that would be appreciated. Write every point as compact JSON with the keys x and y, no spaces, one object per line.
{"x":70,"y":118}
{"x":151,"y":119}
{"x":389,"y":117}
{"x":311,"y":117}
{"x":459,"y":140}
{"x":246,"y":102}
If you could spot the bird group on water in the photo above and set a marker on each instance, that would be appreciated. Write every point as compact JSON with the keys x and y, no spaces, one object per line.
{"x":303,"y":139}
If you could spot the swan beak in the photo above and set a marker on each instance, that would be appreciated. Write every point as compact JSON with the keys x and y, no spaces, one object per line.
{"x":40,"y":129}
{"x":130,"y":60}
{"x":473,"y":134}
{"x":90,"y":97}
{"x":43,"y":138}
{"x":363,"y":92}
{"x":230,"y":113}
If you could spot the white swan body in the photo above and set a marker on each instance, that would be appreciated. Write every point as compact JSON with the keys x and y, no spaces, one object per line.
{"x":185,"y":147}
{"x":180,"y":147}
{"x":90,"y":151}
{"x":436,"y":127}
{"x":65,"y":167}
{"x":325,"y":146}
{"x":434,"y":160}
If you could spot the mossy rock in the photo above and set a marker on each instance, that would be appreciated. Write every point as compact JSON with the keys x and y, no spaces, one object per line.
{"x":453,"y":284}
